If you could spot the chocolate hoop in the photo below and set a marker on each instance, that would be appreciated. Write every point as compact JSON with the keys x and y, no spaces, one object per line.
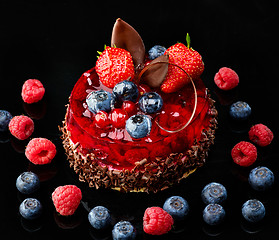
{"x":194,"y":88}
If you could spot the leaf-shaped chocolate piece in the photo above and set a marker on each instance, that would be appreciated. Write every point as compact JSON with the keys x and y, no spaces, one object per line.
{"x":126,"y":37}
{"x":155,"y":72}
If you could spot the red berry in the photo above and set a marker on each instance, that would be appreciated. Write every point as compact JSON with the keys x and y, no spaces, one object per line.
{"x":156,"y":221}
{"x":102,"y":119}
{"x":118,"y":118}
{"x":32,"y":91}
{"x":143,"y":88}
{"x":21,"y":127}
{"x":244,"y":154}
{"x":226,"y":78}
{"x":40,"y":151}
{"x":129,"y":107}
{"x":66,"y":199}
{"x":261,"y":135}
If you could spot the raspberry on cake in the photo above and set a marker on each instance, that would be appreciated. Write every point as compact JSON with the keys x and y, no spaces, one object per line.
{"x":124,"y":130}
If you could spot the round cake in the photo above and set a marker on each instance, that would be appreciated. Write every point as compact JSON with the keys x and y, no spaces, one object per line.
{"x":136,"y":122}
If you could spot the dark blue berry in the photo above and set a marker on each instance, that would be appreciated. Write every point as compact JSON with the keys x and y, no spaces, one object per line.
{"x":99,"y":217}
{"x":177,"y":207}
{"x":5,"y":118}
{"x":27,"y":182}
{"x":240,"y":110}
{"x":30,"y":208}
{"x":253,"y":210}
{"x":123,"y":230}
{"x":126,"y":91}
{"x":213,"y":214}
{"x":156,"y":51}
{"x":261,"y":178}
{"x":138,"y":126}
{"x":214,"y":193}
{"x":150,"y":102}
{"x":100,"y":101}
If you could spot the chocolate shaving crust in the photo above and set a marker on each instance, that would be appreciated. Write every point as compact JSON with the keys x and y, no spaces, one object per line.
{"x":146,"y":176}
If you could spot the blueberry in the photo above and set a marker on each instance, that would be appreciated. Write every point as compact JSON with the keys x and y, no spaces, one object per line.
{"x":150,"y":102}
{"x":214,"y":193}
{"x":213,"y":214}
{"x":156,"y":51}
{"x":240,"y":110}
{"x":27,"y":182}
{"x":177,"y":207}
{"x":261,"y":178}
{"x":138,"y":126}
{"x":30,"y":208}
{"x":99,"y":217}
{"x":5,"y":118}
{"x":126,"y":91}
{"x":253,"y":210}
{"x":123,"y":230}
{"x":100,"y":101}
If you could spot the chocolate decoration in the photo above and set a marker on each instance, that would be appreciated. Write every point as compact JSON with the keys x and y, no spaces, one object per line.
{"x":126,"y":37}
{"x":155,"y":72}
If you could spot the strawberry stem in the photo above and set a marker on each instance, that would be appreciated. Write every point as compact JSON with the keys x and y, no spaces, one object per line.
{"x":188,"y":40}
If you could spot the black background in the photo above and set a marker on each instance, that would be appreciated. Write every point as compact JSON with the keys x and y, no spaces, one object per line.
{"x":57,"y":41}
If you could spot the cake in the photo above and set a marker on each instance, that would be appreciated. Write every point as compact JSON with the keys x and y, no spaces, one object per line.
{"x":122,"y":143}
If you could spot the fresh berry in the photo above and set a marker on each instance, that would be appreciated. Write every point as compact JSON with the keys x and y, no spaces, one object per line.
{"x":253,"y":210}
{"x":21,"y":127}
{"x":157,"y":221}
{"x":32,"y":91}
{"x":150,"y":102}
{"x":30,"y":208}
{"x":213,"y":214}
{"x":240,"y":110}
{"x":114,"y":65}
{"x":5,"y":118}
{"x":27,"y":182}
{"x":261,"y":135}
{"x":99,"y":217}
{"x":226,"y":78}
{"x":66,"y":199}
{"x":138,"y":126}
{"x":102,"y":119}
{"x":186,"y":58}
{"x":123,"y":230}
{"x":40,"y":151}
{"x":244,"y":153}
{"x":126,"y":90}
{"x":118,"y":117}
{"x":214,"y":193}
{"x":129,"y":107}
{"x":177,"y":207}
{"x":100,"y":101}
{"x":261,"y":178}
{"x":156,"y":51}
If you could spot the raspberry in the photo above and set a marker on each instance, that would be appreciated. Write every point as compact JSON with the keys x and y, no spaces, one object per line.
{"x":66,"y":199}
{"x":244,"y":154}
{"x":157,"y":221}
{"x":226,"y":78}
{"x":40,"y":151}
{"x":21,"y":127}
{"x":261,"y":135}
{"x":32,"y":91}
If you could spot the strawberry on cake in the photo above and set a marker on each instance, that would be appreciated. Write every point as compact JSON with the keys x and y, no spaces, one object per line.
{"x":137,"y":122}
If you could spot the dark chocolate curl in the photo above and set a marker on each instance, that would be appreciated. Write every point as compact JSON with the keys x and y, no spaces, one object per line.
{"x":126,"y":37}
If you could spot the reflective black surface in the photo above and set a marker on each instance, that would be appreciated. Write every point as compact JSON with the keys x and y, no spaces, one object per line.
{"x":56,"y":42}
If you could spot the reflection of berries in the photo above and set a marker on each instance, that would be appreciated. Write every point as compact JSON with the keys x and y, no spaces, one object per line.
{"x":40,"y":151}
{"x":21,"y":127}
{"x":66,"y":199}
{"x":226,"y":78}
{"x":244,"y":154}
{"x":156,"y":221}
{"x":261,"y":135}
{"x":32,"y":91}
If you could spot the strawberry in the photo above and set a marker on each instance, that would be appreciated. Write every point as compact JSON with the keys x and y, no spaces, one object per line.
{"x":114,"y":65}
{"x":186,"y":58}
